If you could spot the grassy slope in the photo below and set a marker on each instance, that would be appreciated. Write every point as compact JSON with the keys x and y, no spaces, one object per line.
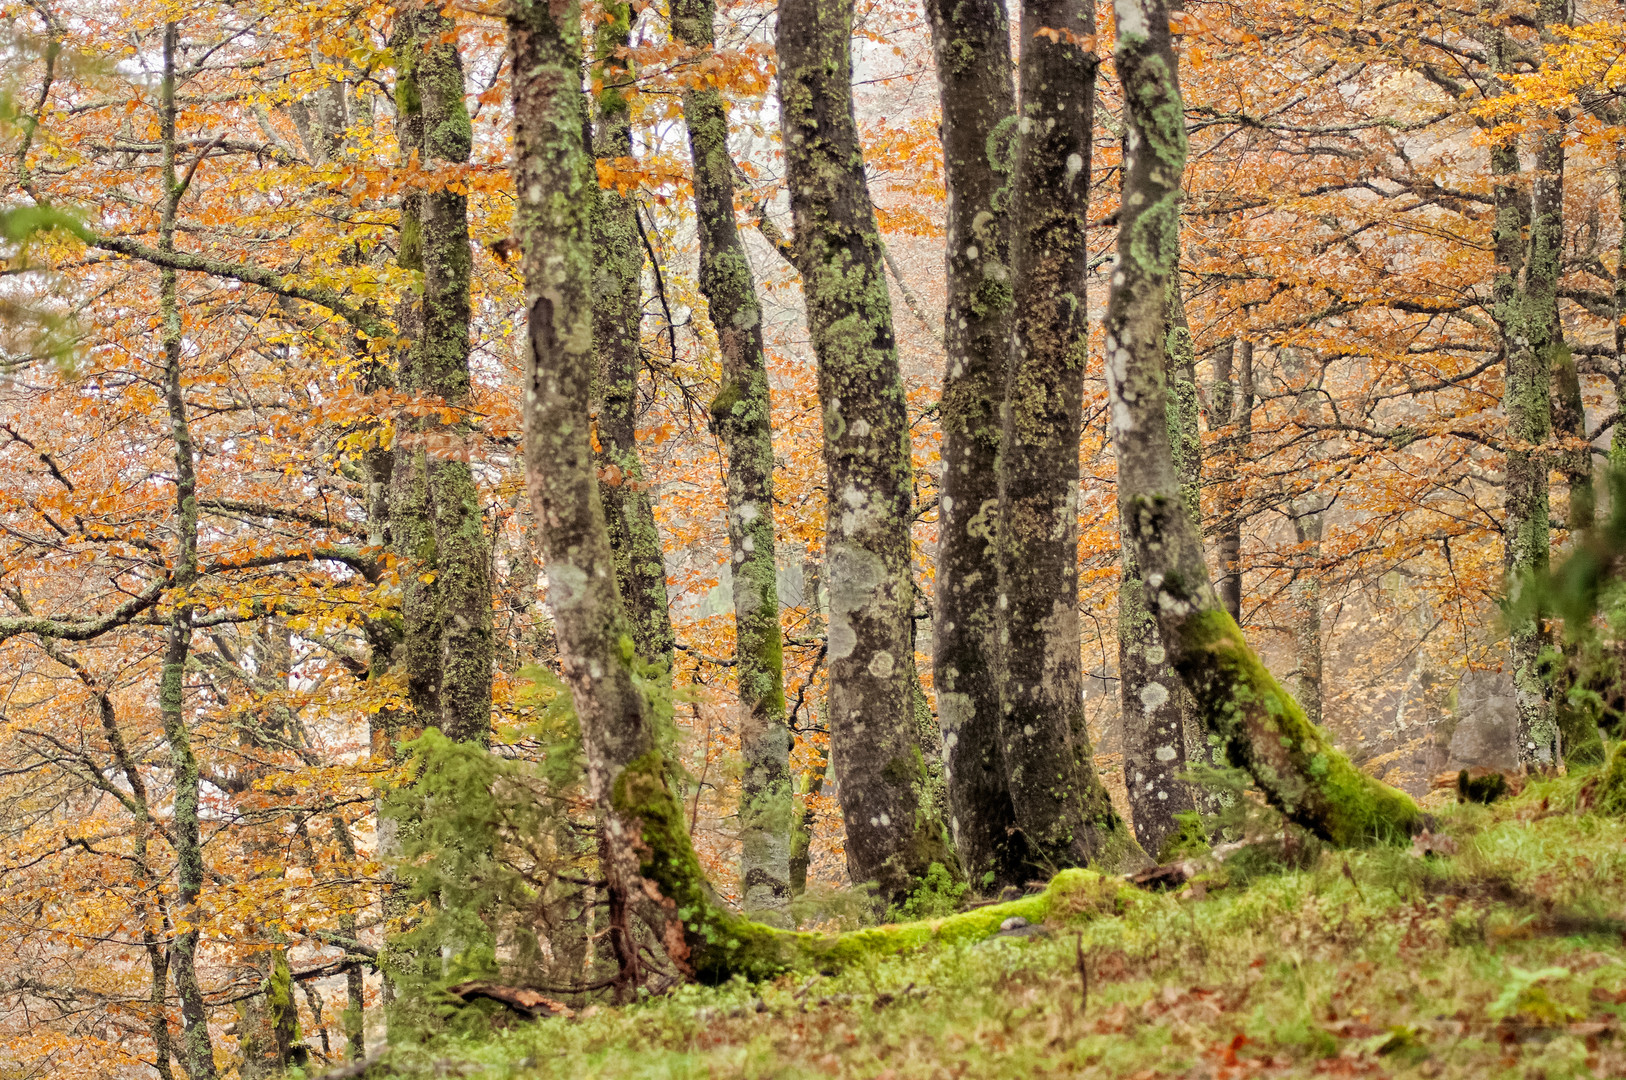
{"x":1413,"y":968}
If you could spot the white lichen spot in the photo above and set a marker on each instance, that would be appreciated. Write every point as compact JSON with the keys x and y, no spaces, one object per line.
{"x":1028,"y":730}
{"x":971,"y":251}
{"x":1156,"y":654}
{"x":885,"y":819}
{"x":1154,"y":695}
{"x":1075,"y":165}
{"x":1164,"y":753}
{"x":882,"y":664}
{"x":1155,"y":579}
{"x":748,"y":512}
{"x":860,"y":427}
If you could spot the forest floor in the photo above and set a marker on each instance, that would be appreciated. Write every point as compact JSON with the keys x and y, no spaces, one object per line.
{"x":1501,"y":957}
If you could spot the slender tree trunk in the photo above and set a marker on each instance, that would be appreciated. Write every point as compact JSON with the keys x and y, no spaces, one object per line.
{"x":811,"y":783}
{"x":197,"y":1051}
{"x":1522,"y":322}
{"x":1309,"y":518}
{"x":866,"y":452}
{"x":743,"y":415}
{"x":640,"y":562}
{"x":1236,"y":410}
{"x":971,"y":42}
{"x":1061,"y":807}
{"x":448,"y":625}
{"x":1160,"y":724}
{"x":1294,"y":764}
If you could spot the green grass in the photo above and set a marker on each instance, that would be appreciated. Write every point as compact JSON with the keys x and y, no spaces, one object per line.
{"x":1503,"y":960}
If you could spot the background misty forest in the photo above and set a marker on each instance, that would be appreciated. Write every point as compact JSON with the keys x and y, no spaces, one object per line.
{"x":269,"y":256}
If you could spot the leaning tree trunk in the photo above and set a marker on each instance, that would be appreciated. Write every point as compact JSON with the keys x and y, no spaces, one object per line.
{"x":640,"y":563}
{"x":1294,"y":764}
{"x":890,"y":842}
{"x":446,"y":602}
{"x":1061,"y":807}
{"x":971,"y":41}
{"x":743,"y":415}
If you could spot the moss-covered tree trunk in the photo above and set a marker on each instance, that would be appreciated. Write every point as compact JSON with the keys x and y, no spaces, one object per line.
{"x":557,"y":188}
{"x":1160,"y":726}
{"x":1061,"y":807}
{"x":1523,"y":271}
{"x":743,"y":415}
{"x":640,"y":563}
{"x":1294,"y":764}
{"x":446,"y":594}
{"x":186,"y":830}
{"x":866,"y":451}
{"x":1617,"y":439}
{"x":971,"y":43}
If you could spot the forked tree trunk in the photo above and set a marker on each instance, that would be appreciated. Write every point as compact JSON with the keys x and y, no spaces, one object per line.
{"x":1294,"y":764}
{"x":743,"y":415}
{"x":640,"y":563}
{"x":890,"y":840}
{"x":1061,"y":807}
{"x":971,"y":42}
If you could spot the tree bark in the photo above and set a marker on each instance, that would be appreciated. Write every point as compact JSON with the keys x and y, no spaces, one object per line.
{"x":743,"y":416}
{"x":446,"y":603}
{"x":866,"y":452}
{"x":1061,"y":807}
{"x":197,"y":1051}
{"x":1520,"y":312}
{"x":1160,"y":725}
{"x":640,"y":562}
{"x":1264,"y":731}
{"x":971,"y":43}
{"x":1236,"y":410}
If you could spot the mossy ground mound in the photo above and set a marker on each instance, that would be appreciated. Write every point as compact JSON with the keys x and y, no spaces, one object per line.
{"x":1502,"y":960}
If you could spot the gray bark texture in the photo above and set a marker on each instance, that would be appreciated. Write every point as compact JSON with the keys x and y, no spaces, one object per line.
{"x":1262,"y":728}
{"x":890,"y":841}
{"x":971,"y":43}
{"x":196,"y":1051}
{"x":742,"y":413}
{"x":1233,"y":406}
{"x":446,"y":582}
{"x":640,"y":563}
{"x":1522,"y":296}
{"x":1062,"y":809}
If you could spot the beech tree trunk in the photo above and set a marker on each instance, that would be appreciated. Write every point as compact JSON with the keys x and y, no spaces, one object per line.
{"x":743,"y":415}
{"x":1061,"y":807}
{"x":890,"y":841}
{"x":1235,"y":409}
{"x":1522,"y":293}
{"x":971,"y":42}
{"x":196,"y":1050}
{"x":640,"y":562}
{"x":446,"y":595}
{"x":1160,"y":726}
{"x":1295,"y":765}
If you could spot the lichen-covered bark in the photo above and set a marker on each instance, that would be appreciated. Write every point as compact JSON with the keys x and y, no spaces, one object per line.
{"x":1061,"y":807}
{"x":971,"y":43}
{"x":743,"y":417}
{"x":1233,"y":408}
{"x":890,"y":842}
{"x":1522,"y":296}
{"x":1617,"y":439}
{"x":557,"y":189}
{"x":196,"y":1049}
{"x":1263,"y":729}
{"x":446,"y":598}
{"x":1160,"y":725}
{"x":640,"y":563}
